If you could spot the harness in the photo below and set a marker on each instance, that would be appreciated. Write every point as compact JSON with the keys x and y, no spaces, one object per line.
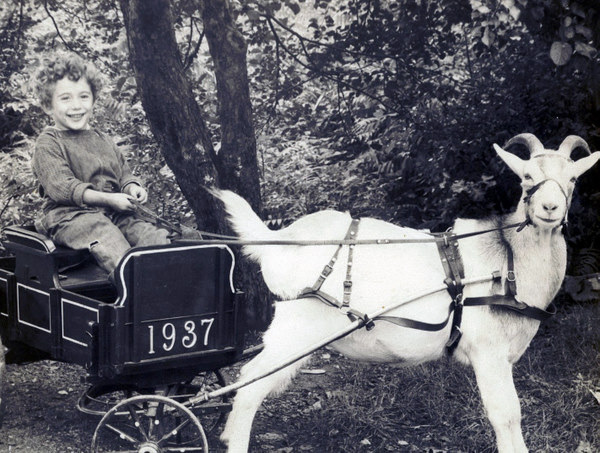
{"x":344,"y":306}
{"x":532,"y":190}
{"x":447,"y":244}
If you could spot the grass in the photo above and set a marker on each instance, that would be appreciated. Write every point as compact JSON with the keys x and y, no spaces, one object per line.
{"x":436,"y":407}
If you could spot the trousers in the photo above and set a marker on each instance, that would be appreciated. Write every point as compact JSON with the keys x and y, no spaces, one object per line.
{"x":107,"y":234}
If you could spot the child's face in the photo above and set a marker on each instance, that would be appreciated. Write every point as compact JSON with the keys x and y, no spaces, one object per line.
{"x":72,"y":104}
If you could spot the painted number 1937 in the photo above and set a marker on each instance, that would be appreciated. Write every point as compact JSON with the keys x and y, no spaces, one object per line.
{"x":167,"y":336}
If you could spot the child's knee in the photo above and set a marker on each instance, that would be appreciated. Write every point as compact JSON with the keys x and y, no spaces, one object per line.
{"x":151,"y":235}
{"x":108,"y":253}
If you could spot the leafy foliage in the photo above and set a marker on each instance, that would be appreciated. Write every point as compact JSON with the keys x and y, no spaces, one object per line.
{"x":382,"y":108}
{"x":413,"y":93}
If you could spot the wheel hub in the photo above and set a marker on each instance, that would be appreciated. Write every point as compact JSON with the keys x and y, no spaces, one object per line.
{"x":149,"y":447}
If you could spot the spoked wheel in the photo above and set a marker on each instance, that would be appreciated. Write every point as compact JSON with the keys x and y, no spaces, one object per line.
{"x":213,"y":412}
{"x":149,"y":424}
{"x":99,"y":399}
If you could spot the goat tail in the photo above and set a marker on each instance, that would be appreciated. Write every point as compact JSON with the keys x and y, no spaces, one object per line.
{"x":244,"y":221}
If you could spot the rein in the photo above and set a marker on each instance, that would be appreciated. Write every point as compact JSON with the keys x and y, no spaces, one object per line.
{"x":223,"y":239}
{"x":435,"y":238}
{"x":447,"y":243}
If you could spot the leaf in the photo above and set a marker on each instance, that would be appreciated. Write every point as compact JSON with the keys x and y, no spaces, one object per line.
{"x":515,"y":12}
{"x":585,"y":31}
{"x":294,"y":7}
{"x":253,"y":14}
{"x":561,"y":52}
{"x":595,"y":395}
{"x":585,"y":49}
{"x":488,"y":37}
{"x":568,"y":32}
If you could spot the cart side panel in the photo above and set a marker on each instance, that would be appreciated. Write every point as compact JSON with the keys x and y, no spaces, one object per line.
{"x":184,"y":310}
{"x":35,"y":307}
{"x":7,"y":296}
{"x":79,"y":317}
{"x":177,"y":308}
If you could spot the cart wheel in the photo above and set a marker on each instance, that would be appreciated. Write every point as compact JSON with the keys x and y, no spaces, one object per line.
{"x":213,"y":412}
{"x":149,"y":424}
{"x":100,"y":398}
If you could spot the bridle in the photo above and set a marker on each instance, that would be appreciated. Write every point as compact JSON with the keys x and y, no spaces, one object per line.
{"x":533,"y":189}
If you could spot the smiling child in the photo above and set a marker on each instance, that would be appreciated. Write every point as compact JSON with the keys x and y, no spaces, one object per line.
{"x":88,"y":187}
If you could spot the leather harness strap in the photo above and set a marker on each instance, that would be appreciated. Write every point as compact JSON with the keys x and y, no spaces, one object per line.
{"x":315,"y":289}
{"x":532,"y":190}
{"x":453,"y":267}
{"x":419,"y":325}
{"x":352,"y":233}
{"x":511,"y":304}
{"x":509,"y":301}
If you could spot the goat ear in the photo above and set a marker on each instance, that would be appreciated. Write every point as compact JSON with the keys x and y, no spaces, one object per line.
{"x":584,"y":164}
{"x":515,"y":163}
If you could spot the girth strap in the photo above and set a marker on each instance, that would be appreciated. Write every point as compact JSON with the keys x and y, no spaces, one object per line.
{"x":512,"y":304}
{"x":419,"y":325}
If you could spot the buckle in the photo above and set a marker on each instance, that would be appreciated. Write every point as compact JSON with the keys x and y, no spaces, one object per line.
{"x":326,"y":270}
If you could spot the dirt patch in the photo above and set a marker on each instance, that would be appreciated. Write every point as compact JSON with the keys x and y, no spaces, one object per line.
{"x":41,"y":414}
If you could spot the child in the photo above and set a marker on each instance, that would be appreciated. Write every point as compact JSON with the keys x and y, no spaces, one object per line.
{"x":88,"y":187}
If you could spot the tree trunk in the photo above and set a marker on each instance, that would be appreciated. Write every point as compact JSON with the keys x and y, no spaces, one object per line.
{"x":174,"y":116}
{"x":176,"y":121}
{"x":238,"y":162}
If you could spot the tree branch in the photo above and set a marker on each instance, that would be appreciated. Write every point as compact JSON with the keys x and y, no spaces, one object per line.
{"x":335,"y":77}
{"x":56,"y":26}
{"x":189,"y":59}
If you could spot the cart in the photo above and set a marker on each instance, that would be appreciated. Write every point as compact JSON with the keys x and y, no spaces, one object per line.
{"x":148,"y":343}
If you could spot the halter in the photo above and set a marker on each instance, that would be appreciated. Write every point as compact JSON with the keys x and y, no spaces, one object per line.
{"x":532,"y":190}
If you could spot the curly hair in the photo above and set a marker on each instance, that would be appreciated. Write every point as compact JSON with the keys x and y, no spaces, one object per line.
{"x":57,"y":66}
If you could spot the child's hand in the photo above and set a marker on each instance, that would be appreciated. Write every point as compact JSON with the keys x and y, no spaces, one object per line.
{"x":137,"y":192}
{"x":120,"y":202}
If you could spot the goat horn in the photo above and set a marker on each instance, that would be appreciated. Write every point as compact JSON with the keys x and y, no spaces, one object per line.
{"x":572,"y":142}
{"x":531,"y":141}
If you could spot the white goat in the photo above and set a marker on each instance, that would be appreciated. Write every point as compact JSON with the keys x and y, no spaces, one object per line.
{"x":492,"y":341}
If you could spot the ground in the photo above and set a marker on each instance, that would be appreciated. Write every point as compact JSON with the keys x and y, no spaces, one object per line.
{"x":361,"y":408}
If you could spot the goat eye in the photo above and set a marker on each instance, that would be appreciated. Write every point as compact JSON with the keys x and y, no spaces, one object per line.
{"x":573,"y":180}
{"x":527,"y":177}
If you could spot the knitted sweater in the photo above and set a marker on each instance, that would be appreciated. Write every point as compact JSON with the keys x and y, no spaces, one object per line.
{"x":66,"y":163}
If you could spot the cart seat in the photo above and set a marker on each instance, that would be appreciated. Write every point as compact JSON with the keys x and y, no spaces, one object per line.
{"x":26,"y":236}
{"x":40,"y":259}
